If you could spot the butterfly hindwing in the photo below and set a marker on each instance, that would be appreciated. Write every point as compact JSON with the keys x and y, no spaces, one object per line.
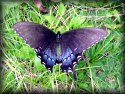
{"x":42,"y":39}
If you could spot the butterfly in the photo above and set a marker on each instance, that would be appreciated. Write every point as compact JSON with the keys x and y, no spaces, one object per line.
{"x":64,"y":49}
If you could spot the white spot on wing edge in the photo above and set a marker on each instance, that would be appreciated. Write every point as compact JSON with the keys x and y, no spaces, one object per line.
{"x":79,"y":56}
{"x":39,"y":57}
{"x":43,"y":63}
{"x":49,"y":68}
{"x":74,"y":66}
{"x":83,"y":52}
{"x":74,"y":63}
{"x":79,"y":59}
{"x":36,"y":50}
{"x":70,"y":70}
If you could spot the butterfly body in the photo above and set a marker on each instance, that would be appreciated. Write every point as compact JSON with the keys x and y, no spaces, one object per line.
{"x":63,"y":49}
{"x":49,"y":60}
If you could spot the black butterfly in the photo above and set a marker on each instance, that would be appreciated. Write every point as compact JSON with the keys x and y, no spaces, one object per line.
{"x":64,"y":49}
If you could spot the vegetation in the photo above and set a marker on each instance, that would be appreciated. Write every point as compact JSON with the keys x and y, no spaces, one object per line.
{"x":101,"y":71}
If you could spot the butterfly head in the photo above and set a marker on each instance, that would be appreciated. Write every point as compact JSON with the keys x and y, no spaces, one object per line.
{"x":58,"y":35}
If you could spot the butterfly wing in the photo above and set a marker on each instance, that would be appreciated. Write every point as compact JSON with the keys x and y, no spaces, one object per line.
{"x":74,"y":42}
{"x":42,"y":39}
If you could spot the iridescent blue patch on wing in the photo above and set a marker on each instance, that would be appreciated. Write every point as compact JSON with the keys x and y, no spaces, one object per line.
{"x":48,"y":58}
{"x":67,"y":61}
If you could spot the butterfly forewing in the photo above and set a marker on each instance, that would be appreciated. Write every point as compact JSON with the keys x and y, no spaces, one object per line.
{"x":81,"y":39}
{"x":35,"y":35}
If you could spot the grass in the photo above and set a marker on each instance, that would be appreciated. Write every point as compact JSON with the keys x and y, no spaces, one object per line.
{"x":99,"y":72}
